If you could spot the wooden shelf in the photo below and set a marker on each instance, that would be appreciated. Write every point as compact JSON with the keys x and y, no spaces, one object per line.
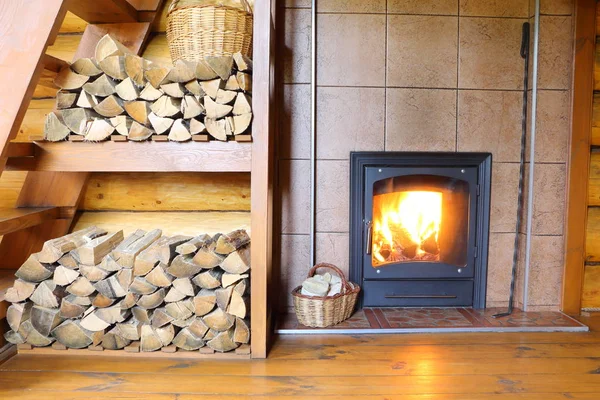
{"x":15,"y":219}
{"x":130,"y":157}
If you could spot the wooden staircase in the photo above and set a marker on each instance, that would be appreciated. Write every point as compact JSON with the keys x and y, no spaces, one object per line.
{"x":58,"y":172}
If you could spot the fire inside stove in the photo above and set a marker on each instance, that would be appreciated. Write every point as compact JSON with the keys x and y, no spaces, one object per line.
{"x":406,"y":227}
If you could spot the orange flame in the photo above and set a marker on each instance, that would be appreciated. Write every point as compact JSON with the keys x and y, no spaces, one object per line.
{"x":406,"y":226}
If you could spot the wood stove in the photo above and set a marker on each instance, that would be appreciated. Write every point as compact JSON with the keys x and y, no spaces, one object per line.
{"x":419,"y":226}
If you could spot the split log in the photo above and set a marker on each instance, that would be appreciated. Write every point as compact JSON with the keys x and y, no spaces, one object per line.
{"x":232,"y":241}
{"x":198,"y":327}
{"x":93,"y":323}
{"x":34,"y":337}
{"x":98,"y":130}
{"x":122,"y":124}
{"x":109,"y":107}
{"x":222,"y":65}
{"x":47,"y":294}
{"x":124,"y":277}
{"x":141,"y":286}
{"x":93,"y":252}
{"x":81,"y":287}
{"x":225,"y":96}
{"x":219,"y":320}
{"x":14,"y":337}
{"x":129,"y":301}
{"x":44,"y":319}
{"x":192,"y":245}
{"x":211,"y":88}
{"x":196,"y":127}
{"x":229,"y":125}
{"x":151,"y":301}
{"x":146,"y":260}
{"x":150,"y":93}
{"x":139,"y":132}
{"x":184,"y":285}
{"x":135,"y":67}
{"x":242,"y":105}
{"x":126,"y":252}
{"x":216,"y":128}
{"x":71,"y":334}
{"x":194,"y":88}
{"x":186,"y":340}
{"x":55,"y":129}
{"x":174,"y":295}
{"x":130,"y":330}
{"x":190,"y":107}
{"x":86,"y":66}
{"x":138,"y":110}
{"x":166,"y":106}
{"x":206,"y":258}
{"x":113,"y":314}
{"x":86,"y":100}
{"x":108,"y":47}
{"x":109,"y":264}
{"x":76,"y":119}
{"x":160,"y":124}
{"x":230,"y":279}
{"x":18,"y":313}
{"x":180,"y":310}
{"x":241,"y":334}
{"x":114,"y":341}
{"x":157,"y":75}
{"x":103,"y":86}
{"x":166,"y":334}
{"x":101,"y":301}
{"x":142,"y":315}
{"x":33,"y":270}
{"x":179,"y":132}
{"x":204,"y":302}
{"x":184,"y":267}
{"x":127,"y":90}
{"x":20,"y":291}
{"x":223,"y":297}
{"x":245,"y":82}
{"x":242,"y":62}
{"x":114,"y":66}
{"x":110,"y":287}
{"x":232,"y":84}
{"x":159,"y":277}
{"x":183,"y":323}
{"x":183,"y":71}
{"x":161,"y":318}
{"x":173,"y":89}
{"x":65,"y":99}
{"x":150,"y":341}
{"x":54,"y":249}
{"x":66,"y":79}
{"x":241,"y":287}
{"x":210,"y":279}
{"x":238,"y":261}
{"x":238,"y":305}
{"x":241,"y":123}
{"x":215,"y":110}
{"x":93,"y":273}
{"x":68,"y":261}
{"x":167,"y":251}
{"x":204,"y":72}
{"x":71,"y":307}
{"x":223,"y":342}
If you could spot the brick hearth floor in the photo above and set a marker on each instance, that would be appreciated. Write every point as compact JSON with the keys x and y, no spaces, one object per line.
{"x":410,"y":320}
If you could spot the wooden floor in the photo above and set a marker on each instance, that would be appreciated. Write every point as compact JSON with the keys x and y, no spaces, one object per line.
{"x":531,"y":366}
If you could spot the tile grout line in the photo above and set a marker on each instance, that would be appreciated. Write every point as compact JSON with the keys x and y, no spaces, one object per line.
{"x":457,"y":73}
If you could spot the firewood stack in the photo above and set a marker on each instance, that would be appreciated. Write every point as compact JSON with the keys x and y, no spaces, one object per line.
{"x":120,"y":93}
{"x":92,"y":288}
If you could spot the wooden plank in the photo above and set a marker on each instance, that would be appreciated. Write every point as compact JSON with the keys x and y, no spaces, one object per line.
{"x":103,"y":11}
{"x":10,"y":186}
{"x":53,"y":64}
{"x":20,"y":149}
{"x":262,"y":177}
{"x":15,"y":219}
{"x":172,"y":223}
{"x":592,"y":243}
{"x":594,"y":180}
{"x":131,"y":35}
{"x":49,"y":351}
{"x":579,"y":155}
{"x":140,"y":157}
{"x":27,"y":27}
{"x":168,"y":191}
{"x":591,"y":287}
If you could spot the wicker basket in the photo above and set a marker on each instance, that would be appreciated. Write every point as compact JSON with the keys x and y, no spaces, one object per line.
{"x":197,"y":28}
{"x":321,"y":312}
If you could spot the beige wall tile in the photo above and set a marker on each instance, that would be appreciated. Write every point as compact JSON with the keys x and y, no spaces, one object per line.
{"x":499,"y":266}
{"x":553,"y":126}
{"x":549,"y":199}
{"x":546,"y":269}
{"x":295,"y":263}
{"x":422,"y":51}
{"x":555,"y":53}
{"x":333,"y":248}
{"x":494,"y":8}
{"x":505,"y":191}
{"x":556,"y":7}
{"x":351,"y":50}
{"x":349,"y":119}
{"x":439,"y":7}
{"x":296,"y":51}
{"x":297,"y":3}
{"x":333,"y":192}
{"x":421,"y":120}
{"x":294,"y":141}
{"x":294,"y":186}
{"x":351,"y":6}
{"x":489,"y":54}
{"x":490,"y":121}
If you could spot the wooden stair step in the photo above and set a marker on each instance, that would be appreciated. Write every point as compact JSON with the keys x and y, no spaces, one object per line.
{"x":16,"y":219}
{"x":103,"y":11}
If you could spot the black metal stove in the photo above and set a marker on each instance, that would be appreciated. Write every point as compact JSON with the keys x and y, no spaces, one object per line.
{"x":419,"y":226}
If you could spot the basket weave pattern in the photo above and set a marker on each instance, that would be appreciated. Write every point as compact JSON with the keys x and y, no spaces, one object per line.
{"x":321,"y":312}
{"x":195,"y":32}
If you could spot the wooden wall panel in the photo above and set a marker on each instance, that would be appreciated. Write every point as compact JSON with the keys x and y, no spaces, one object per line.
{"x":592,"y":243}
{"x":10,"y":186}
{"x":591,"y":287}
{"x":168,"y":191}
{"x":594,"y":184}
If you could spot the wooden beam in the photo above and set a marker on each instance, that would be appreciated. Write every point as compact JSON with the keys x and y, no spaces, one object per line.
{"x":262,"y":177}
{"x":20,"y":149}
{"x":28,"y":25}
{"x":579,"y":155}
{"x":103,"y":11}
{"x":53,"y":64}
{"x":15,"y":219}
